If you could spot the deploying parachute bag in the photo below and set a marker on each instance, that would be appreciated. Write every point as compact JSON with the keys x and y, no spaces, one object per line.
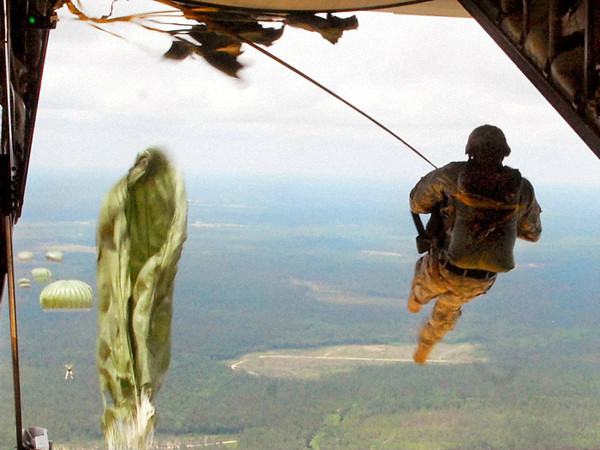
{"x":141,"y":231}
{"x":485,"y":228}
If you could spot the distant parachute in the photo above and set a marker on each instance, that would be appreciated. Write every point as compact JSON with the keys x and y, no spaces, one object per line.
{"x":24,"y":282}
{"x":25,"y":256}
{"x":41,"y":274}
{"x":54,"y":256}
{"x":67,"y":294}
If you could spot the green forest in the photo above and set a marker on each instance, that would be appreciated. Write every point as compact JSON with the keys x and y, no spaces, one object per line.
{"x":254,"y":250}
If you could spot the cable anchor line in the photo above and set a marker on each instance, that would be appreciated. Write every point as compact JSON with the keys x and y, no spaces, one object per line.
{"x":333,"y":94}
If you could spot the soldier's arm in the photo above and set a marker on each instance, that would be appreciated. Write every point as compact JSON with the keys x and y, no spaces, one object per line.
{"x":529,"y":226}
{"x":428,"y":192}
{"x":435,"y":188}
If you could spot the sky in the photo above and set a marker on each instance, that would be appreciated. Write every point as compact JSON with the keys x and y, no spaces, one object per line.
{"x":430,"y":80}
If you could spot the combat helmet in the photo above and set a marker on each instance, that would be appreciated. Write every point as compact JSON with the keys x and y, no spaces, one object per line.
{"x":487,"y":142}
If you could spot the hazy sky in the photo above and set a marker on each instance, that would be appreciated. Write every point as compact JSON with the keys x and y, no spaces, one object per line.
{"x":431,"y":80}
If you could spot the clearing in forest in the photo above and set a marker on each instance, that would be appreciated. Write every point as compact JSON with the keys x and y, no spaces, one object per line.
{"x":315,"y":363}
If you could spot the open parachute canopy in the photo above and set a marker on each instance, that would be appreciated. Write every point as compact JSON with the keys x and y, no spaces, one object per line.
{"x":66,"y":294}
{"x":41,"y":274}
{"x":24,"y":282}
{"x":25,"y":256}
{"x":54,"y":256}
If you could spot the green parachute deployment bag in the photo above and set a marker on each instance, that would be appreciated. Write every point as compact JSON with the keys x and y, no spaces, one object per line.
{"x":141,"y":231}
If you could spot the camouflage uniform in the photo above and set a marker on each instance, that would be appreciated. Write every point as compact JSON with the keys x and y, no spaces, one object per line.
{"x":435,"y":276}
{"x":452,"y":291}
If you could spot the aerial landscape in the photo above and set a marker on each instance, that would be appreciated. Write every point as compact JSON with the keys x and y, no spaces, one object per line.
{"x":290,"y":327}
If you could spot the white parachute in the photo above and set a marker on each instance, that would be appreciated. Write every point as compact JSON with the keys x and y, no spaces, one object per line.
{"x":24,"y":282}
{"x":41,"y":274}
{"x":25,"y":256}
{"x":67,"y":294}
{"x":54,"y":256}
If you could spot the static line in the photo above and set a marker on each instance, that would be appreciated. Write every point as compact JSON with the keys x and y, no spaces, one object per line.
{"x":330,"y":92}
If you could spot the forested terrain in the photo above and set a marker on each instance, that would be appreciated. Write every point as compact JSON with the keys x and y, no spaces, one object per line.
{"x":249,"y":242}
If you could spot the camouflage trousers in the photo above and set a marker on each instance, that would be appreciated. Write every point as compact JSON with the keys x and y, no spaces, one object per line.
{"x":432,"y":280}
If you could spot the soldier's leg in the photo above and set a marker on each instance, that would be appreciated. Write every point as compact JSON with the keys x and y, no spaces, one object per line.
{"x":425,"y":285}
{"x":443,"y":319}
{"x":447,"y":311}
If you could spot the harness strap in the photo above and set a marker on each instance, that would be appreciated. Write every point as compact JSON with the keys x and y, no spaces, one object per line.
{"x":478,"y":201}
{"x":418,"y":224}
{"x":471,"y":273}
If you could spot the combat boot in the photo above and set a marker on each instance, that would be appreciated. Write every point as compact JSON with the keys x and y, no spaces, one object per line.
{"x":422,"y":353}
{"x":413,"y":305}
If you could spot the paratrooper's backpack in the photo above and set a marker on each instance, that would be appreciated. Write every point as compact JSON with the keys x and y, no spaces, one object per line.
{"x":485,"y":227}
